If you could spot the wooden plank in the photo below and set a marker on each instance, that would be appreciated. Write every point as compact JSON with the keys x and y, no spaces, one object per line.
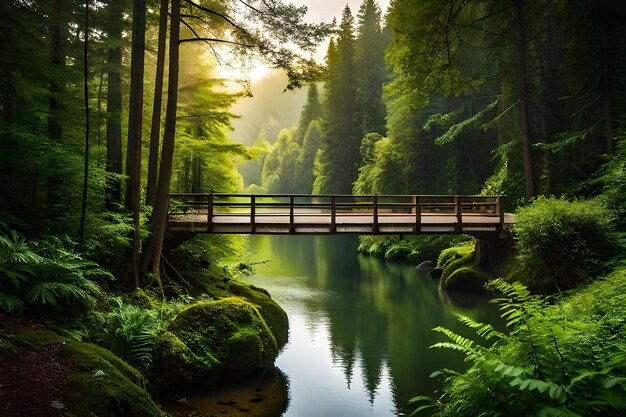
{"x":376,"y":214}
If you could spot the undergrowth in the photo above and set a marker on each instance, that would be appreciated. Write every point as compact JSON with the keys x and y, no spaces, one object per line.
{"x":562,"y":357}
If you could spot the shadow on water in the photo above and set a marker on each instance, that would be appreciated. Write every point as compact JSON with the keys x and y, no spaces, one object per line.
{"x":264,"y":396}
{"x":360,"y":328}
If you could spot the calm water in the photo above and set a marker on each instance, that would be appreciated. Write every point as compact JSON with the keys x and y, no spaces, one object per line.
{"x":360,"y":328}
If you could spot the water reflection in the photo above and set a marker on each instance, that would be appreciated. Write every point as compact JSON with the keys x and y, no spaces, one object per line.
{"x":360,"y":328}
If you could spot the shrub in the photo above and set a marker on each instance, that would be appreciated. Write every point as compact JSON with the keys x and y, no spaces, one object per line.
{"x":561,"y":244}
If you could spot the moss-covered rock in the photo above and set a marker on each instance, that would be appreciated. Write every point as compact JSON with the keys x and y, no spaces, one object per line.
{"x":230,"y":330}
{"x":177,"y":369}
{"x":273,"y":314}
{"x":94,"y":381}
{"x":464,"y":252}
{"x":465,"y":280}
{"x":460,"y":269}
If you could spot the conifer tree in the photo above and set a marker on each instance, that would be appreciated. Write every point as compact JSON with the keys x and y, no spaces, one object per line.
{"x":312,"y":110}
{"x":337,"y":160}
{"x":370,"y":70}
{"x":306,"y":160}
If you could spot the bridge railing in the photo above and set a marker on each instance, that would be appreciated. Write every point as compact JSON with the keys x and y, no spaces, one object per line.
{"x":251,"y":209}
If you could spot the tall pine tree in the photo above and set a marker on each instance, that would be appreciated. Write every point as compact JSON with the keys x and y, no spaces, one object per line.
{"x":337,"y":160}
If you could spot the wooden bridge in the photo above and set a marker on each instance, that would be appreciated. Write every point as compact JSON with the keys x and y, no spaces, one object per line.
{"x":330,"y":214}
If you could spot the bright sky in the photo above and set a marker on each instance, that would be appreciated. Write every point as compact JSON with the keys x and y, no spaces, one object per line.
{"x":318,"y":11}
{"x":325,"y":10}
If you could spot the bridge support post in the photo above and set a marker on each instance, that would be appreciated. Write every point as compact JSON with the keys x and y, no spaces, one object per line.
{"x":210,"y":213}
{"x":375,"y":228}
{"x":333,"y":215}
{"x":418,"y":215}
{"x":500,"y":208}
{"x":252,"y":214}
{"x":459,"y":214}
{"x":292,"y":227}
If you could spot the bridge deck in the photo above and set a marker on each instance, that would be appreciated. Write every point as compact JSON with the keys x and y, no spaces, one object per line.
{"x":300,"y":214}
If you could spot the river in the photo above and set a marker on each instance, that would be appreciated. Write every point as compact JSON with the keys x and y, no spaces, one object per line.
{"x":360,"y":328}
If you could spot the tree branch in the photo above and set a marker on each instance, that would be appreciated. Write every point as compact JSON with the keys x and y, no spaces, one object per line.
{"x":216,"y":13}
{"x":216,"y":40}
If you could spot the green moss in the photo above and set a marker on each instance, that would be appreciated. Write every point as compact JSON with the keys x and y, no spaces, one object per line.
{"x":118,"y":392}
{"x":176,"y":368}
{"x":231,"y":330}
{"x":460,"y":269}
{"x":465,"y":279}
{"x":447,"y":256}
{"x":273,"y":315}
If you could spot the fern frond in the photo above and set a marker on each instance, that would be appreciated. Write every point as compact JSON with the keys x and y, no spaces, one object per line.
{"x":451,"y":346}
{"x":459,"y":343}
{"x":509,"y":370}
{"x":10,"y":303}
{"x":486,"y":331}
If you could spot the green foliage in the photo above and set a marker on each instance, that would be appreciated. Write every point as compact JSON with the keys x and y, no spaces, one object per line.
{"x":52,"y":278}
{"x":131,"y":332}
{"x":198,"y":264}
{"x":108,"y":237}
{"x":306,"y":159}
{"x":557,"y":360}
{"x":414,"y":249}
{"x":507,"y":178}
{"x":614,"y":193}
{"x":457,"y":130}
{"x":561,"y":244}
{"x":205,"y":159}
{"x":375,"y":175}
{"x":270,"y":175}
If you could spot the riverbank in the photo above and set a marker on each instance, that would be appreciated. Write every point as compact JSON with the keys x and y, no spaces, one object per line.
{"x":566,"y":356}
{"x":413,"y":249}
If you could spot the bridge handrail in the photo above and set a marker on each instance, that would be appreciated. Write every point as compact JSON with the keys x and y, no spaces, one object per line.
{"x":376,"y":205}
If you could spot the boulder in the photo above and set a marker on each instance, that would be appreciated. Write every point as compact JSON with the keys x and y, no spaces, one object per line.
{"x":435,"y":273}
{"x":425,"y":266}
{"x":230,"y":332}
{"x":465,"y":280}
{"x":177,"y":369}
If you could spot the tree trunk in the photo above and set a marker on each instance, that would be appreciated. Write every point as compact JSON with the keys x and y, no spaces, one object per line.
{"x":607,"y":95}
{"x":135,"y":115}
{"x":58,"y":39}
{"x":83,"y":213}
{"x":523,"y":97}
{"x":57,"y":44}
{"x":155,"y":129}
{"x":159,"y":213}
{"x":114,"y":109}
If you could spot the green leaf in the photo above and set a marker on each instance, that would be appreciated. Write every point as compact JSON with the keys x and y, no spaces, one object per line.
{"x":611,"y":382}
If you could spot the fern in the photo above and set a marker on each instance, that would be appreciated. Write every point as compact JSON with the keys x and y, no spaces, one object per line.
{"x":486,"y":331}
{"x":17,"y":258}
{"x":459,"y":343}
{"x":10,"y":303}
{"x":131,"y":333}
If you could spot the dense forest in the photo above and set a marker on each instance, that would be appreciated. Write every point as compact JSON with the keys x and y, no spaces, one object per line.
{"x":107,"y":107}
